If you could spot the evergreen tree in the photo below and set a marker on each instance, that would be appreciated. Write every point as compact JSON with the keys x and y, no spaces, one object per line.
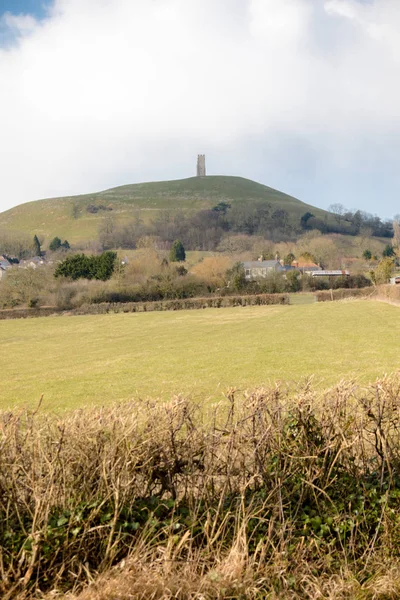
{"x":55,"y":244}
{"x":388,"y":251}
{"x":77,"y":266}
{"x":105,"y":265}
{"x":80,"y":266}
{"x":304,"y":220}
{"x":367,"y":254}
{"x":65,"y":245}
{"x":36,"y":246}
{"x":177,"y":253}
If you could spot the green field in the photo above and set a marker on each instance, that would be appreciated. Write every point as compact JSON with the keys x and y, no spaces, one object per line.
{"x":99,"y":359}
{"x":68,"y":218}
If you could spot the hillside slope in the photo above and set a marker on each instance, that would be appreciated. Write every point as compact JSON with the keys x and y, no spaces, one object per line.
{"x":72,"y":217}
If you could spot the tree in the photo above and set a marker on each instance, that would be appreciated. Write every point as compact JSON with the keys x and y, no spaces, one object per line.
{"x":289,"y":258}
{"x":304,"y":220}
{"x":77,"y":266}
{"x":55,"y":244}
{"x":104,"y":265}
{"x":177,"y":253}
{"x":293,"y":281}
{"x":80,"y":266}
{"x":367,"y":254}
{"x":236,"y":277}
{"x":107,"y":230}
{"x":36,"y":246}
{"x":338,"y":210}
{"x":396,"y":231}
{"x":15,"y":244}
{"x":383,"y":271}
{"x":388,"y":251}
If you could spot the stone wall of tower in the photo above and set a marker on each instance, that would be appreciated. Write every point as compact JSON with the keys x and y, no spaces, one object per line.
{"x":201,"y":165}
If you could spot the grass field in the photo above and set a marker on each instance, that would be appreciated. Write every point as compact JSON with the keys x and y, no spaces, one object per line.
{"x":98,"y":359}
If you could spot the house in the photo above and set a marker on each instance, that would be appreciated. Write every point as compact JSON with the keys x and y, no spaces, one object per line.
{"x":257,"y":269}
{"x":4,"y":265}
{"x":33,"y":263}
{"x":307,"y":268}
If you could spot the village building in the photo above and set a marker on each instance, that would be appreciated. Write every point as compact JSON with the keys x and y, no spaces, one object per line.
{"x":261,"y":268}
{"x":4,"y":266}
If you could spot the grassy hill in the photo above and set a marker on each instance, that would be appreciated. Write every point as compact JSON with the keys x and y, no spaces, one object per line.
{"x":69,"y":217}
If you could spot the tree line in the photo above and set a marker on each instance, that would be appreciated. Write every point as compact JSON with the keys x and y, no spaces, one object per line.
{"x":206,"y":229}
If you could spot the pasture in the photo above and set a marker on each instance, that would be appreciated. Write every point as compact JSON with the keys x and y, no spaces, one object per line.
{"x":84,"y":360}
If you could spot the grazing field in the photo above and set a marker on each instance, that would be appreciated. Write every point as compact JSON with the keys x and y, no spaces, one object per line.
{"x":76,"y":361}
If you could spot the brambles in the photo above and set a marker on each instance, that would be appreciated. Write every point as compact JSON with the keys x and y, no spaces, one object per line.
{"x":280,"y":492}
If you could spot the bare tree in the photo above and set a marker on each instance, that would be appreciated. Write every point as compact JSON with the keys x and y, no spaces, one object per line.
{"x":338,"y":210}
{"x":396,"y":231}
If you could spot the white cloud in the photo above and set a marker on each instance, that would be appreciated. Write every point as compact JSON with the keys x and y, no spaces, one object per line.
{"x":105,"y":92}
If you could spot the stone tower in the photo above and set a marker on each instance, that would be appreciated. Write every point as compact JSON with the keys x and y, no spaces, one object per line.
{"x":201,"y":165}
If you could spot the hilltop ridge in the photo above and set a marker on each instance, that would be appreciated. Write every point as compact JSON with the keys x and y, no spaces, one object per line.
{"x":78,"y":217}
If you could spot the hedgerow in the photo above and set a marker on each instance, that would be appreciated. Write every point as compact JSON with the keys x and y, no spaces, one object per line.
{"x":273,"y":492}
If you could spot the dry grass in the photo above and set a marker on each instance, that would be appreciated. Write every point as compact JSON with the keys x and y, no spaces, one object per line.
{"x":279,"y":493}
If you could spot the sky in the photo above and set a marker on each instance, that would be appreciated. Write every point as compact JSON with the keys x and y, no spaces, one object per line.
{"x":301,"y":95}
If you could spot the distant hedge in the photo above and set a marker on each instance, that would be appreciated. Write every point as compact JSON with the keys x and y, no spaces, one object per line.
{"x":186,"y":304}
{"x":341,"y":294}
{"x":162,"y":305}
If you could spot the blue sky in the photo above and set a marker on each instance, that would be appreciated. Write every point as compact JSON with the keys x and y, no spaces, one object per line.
{"x":301,"y":95}
{"x":34,"y":7}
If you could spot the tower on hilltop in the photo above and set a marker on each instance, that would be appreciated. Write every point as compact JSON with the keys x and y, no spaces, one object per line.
{"x":201,"y":165}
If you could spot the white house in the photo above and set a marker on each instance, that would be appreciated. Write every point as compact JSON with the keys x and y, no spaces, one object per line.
{"x":260,"y":268}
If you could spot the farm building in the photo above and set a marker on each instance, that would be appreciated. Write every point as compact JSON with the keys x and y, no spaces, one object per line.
{"x":323,"y":273}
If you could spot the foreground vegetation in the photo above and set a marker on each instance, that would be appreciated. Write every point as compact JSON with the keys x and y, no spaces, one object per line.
{"x":278,"y":493}
{"x":97,"y":359}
